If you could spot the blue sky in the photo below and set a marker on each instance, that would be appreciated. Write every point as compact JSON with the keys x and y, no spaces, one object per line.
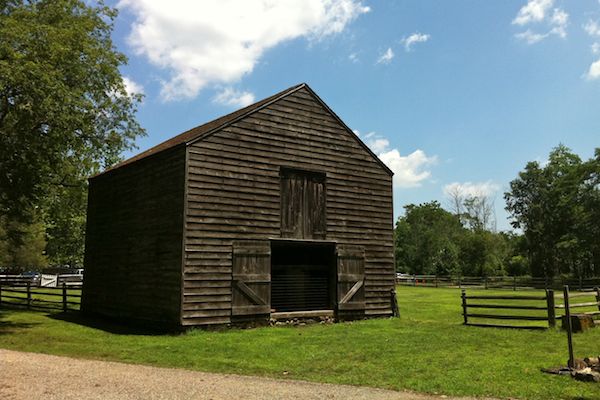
{"x":457,"y":94}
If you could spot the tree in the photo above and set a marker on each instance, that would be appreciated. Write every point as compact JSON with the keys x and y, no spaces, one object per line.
{"x":426,"y":240}
{"x":479,"y":213}
{"x":483,"y":253}
{"x":475,"y":210}
{"x":64,"y":110}
{"x":22,"y":245}
{"x":556,"y":207}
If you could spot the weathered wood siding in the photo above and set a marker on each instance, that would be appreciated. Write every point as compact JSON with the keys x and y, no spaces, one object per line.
{"x":134,"y":240}
{"x":233,"y":186}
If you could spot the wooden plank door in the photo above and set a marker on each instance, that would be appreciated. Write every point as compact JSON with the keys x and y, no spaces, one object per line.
{"x":303,"y":204}
{"x":292,"y":204}
{"x":314,"y":221}
{"x":251,"y":278}
{"x":350,"y":281}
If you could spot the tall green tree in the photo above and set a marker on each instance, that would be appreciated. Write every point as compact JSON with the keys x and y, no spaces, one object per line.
{"x":64,"y":111}
{"x":426,"y":240}
{"x":556,"y":207}
{"x":22,"y":245}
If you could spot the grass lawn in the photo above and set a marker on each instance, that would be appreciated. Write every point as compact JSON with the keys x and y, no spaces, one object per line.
{"x":426,"y":350}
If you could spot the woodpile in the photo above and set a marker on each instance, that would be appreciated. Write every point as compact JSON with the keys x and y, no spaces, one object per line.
{"x":586,"y":369}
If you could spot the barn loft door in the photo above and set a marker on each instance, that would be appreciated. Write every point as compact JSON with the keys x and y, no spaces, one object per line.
{"x":350,"y":280}
{"x":302,"y":204}
{"x":251,"y":284}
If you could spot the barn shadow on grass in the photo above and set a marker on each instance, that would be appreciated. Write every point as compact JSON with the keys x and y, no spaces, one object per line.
{"x":108,"y":325}
{"x":7,"y":326}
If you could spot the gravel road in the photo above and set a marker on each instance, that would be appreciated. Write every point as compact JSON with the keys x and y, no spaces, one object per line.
{"x":40,"y":376}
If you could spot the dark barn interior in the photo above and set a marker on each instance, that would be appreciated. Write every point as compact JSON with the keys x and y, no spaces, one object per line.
{"x":302,"y":276}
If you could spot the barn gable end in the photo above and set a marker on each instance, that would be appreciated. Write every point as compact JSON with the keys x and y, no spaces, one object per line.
{"x":234,"y":189}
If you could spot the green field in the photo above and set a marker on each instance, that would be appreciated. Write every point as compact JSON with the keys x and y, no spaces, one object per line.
{"x":426,"y":350}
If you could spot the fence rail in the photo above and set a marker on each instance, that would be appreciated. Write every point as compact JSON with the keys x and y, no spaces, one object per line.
{"x":520,"y":305}
{"x":64,"y":298}
{"x":42,"y":280}
{"x":497,"y":282}
{"x":479,"y":309}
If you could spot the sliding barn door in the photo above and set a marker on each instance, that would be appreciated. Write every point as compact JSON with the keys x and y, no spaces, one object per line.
{"x":251,"y":284}
{"x":350,"y":282}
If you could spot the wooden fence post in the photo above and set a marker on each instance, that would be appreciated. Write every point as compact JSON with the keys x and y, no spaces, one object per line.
{"x":597,"y":296}
{"x":0,"y":291}
{"x":463,"y":296}
{"x":580,"y":282}
{"x":436,"y":280}
{"x":551,"y":309}
{"x":414,"y":280}
{"x":28,"y":295}
{"x":64,"y":296}
{"x":569,"y":326}
{"x":486,"y":282}
{"x":514,"y":283}
{"x":459,"y":283}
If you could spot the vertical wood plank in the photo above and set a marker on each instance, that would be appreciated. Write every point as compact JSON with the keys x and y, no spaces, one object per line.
{"x":569,"y":326}
{"x":551,"y":308}
{"x":28,"y":295}
{"x":463,"y":296}
{"x":64,"y":296}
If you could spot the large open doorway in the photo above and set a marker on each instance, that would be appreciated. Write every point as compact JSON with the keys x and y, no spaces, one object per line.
{"x":303,"y":276}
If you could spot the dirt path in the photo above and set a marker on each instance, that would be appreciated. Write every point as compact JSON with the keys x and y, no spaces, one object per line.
{"x":40,"y":376}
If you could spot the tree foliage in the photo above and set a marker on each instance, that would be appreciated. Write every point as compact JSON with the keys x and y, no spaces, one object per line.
{"x":64,"y":112}
{"x":426,"y":240}
{"x":431,"y":240}
{"x":22,"y":244}
{"x":557,"y":208}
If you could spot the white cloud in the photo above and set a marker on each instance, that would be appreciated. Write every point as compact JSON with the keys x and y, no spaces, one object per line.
{"x":592,"y":28}
{"x":386,"y":57}
{"x":559,"y":22}
{"x":533,"y":11}
{"x":409,"y":171}
{"x":594,"y":71}
{"x":538,"y":11}
{"x":232,"y":97}
{"x":414,"y":38}
{"x":471,"y":189}
{"x":132,"y":87}
{"x":378,"y":145}
{"x":530,"y":37}
{"x":219,"y":41}
{"x":353,"y":57}
{"x":595,"y":47}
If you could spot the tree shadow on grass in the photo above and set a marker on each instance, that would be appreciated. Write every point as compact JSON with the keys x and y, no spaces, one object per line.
{"x":8,"y":327}
{"x":109,"y":325}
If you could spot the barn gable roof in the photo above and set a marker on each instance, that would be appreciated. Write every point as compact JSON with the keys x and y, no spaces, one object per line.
{"x":202,"y":131}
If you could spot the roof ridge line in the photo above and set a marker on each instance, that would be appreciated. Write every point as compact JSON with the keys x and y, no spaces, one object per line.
{"x":283,"y":94}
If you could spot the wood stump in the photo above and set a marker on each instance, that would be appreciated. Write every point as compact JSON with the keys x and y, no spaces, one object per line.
{"x":579,"y":322}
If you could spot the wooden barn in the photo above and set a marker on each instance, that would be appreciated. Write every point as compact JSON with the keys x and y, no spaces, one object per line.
{"x":276,"y":210}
